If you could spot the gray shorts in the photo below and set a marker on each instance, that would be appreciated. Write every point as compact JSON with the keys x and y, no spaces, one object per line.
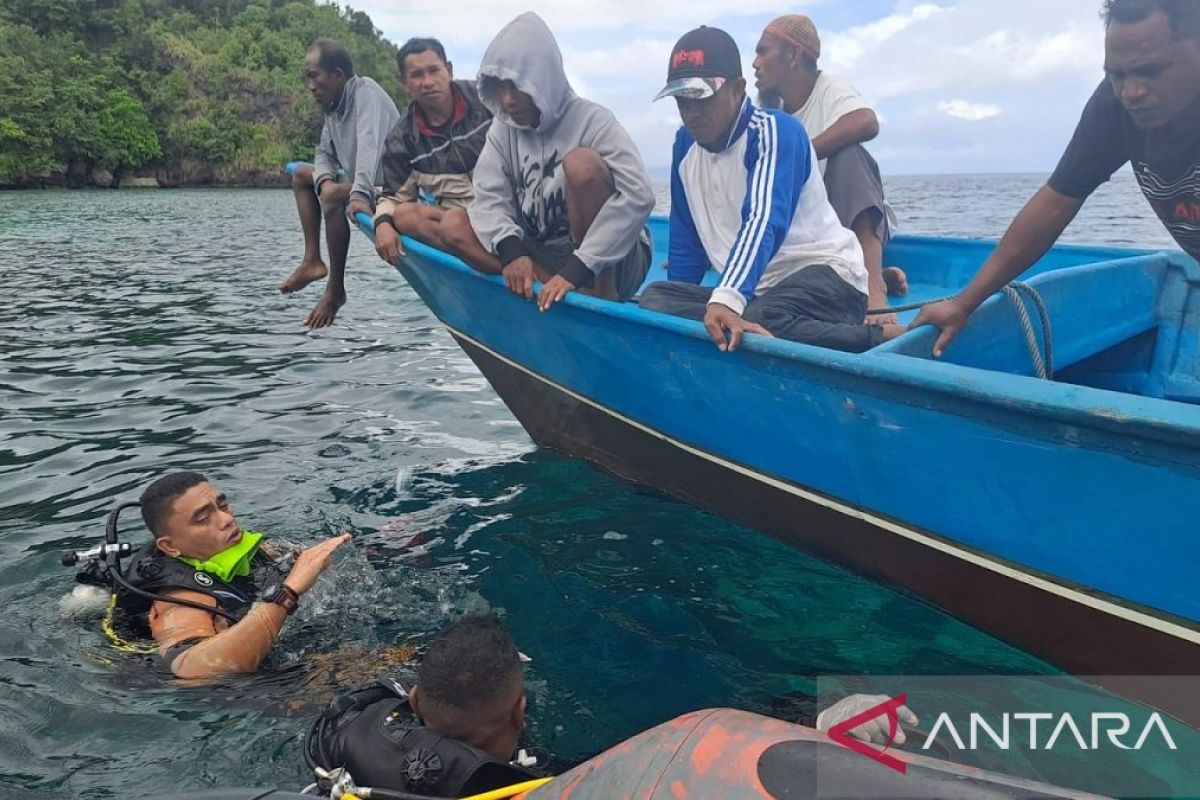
{"x":629,"y":273}
{"x":854,"y":185}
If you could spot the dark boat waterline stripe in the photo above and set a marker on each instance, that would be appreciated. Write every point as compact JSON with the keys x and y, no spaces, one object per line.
{"x":1143,"y":619}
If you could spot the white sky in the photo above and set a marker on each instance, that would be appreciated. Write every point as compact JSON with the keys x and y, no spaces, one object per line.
{"x":974,"y":86}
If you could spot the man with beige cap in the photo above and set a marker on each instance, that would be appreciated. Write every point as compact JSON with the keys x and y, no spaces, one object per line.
{"x":838,"y":120}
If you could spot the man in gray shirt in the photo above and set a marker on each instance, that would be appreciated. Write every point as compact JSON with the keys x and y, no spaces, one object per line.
{"x":358,"y":116}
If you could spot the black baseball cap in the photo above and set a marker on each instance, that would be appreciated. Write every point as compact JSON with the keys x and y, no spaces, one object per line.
{"x":701,"y":62}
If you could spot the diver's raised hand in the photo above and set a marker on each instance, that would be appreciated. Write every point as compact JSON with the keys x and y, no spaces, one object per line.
{"x":312,"y":562}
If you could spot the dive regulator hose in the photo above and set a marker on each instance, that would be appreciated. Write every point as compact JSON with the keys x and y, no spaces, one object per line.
{"x":111,"y":559}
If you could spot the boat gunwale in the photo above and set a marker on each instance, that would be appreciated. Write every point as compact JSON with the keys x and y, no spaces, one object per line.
{"x":1125,"y":414}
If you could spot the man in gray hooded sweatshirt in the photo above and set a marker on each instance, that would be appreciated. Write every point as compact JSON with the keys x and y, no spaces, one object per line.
{"x":561,"y":194}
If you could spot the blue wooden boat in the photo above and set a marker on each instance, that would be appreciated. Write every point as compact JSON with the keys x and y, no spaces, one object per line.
{"x":1059,"y":515}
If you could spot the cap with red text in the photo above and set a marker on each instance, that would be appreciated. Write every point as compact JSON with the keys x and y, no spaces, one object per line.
{"x":702,"y":61}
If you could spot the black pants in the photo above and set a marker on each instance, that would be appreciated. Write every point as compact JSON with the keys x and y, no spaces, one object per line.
{"x":813,"y":306}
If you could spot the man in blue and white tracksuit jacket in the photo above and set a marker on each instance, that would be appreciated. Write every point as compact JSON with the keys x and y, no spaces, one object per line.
{"x":748,"y":200}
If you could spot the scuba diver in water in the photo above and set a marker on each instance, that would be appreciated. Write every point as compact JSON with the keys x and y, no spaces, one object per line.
{"x":453,"y":734}
{"x":209,"y":594}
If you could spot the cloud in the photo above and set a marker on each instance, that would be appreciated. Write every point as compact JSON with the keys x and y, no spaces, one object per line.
{"x":475,"y":22}
{"x":971,"y":112}
{"x":916,"y":61}
{"x":851,"y":46}
{"x":975,"y":45}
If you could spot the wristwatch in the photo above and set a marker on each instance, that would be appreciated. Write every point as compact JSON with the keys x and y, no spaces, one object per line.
{"x":282,"y":595}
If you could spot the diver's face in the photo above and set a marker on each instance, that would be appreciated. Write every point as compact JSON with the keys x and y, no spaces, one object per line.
{"x":1155,"y":72}
{"x":517,"y":105}
{"x":200,"y":525}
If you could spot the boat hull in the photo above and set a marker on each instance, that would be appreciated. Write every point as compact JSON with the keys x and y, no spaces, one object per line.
{"x":1042,"y":616}
{"x":1058,"y":517}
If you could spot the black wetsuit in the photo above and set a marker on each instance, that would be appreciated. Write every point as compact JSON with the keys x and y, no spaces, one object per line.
{"x":374,"y":734}
{"x":154,"y":572}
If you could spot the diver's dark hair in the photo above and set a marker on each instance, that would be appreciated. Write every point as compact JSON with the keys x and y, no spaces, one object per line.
{"x":419,"y":44}
{"x":470,"y":667}
{"x":332,"y":56}
{"x":1184,"y":15}
{"x":160,"y":495}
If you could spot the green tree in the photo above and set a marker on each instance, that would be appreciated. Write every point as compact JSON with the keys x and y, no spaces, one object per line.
{"x":129,"y":83}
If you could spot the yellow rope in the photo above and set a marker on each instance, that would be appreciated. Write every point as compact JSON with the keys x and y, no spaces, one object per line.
{"x":495,"y":794}
{"x":117,"y":640}
{"x":510,"y":791}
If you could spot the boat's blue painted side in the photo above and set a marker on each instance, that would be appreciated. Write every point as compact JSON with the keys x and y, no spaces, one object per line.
{"x":1093,"y":488}
{"x":1054,"y":485}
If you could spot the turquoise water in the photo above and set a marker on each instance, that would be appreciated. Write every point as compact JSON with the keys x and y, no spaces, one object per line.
{"x":143,"y":333}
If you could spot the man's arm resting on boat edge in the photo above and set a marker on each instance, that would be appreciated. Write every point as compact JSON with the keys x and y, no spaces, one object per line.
{"x":1034,"y":231}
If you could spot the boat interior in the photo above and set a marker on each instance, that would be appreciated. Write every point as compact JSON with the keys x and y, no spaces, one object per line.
{"x":1122,"y":320}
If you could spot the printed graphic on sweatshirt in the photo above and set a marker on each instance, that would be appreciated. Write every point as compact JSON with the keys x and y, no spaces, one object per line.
{"x":544,"y":203}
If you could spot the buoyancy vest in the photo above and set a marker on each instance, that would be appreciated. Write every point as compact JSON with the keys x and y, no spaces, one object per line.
{"x":151,"y":570}
{"x":373,"y":733}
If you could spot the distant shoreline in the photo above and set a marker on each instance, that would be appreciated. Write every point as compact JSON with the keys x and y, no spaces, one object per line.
{"x":282,"y":181}
{"x":149,"y":183}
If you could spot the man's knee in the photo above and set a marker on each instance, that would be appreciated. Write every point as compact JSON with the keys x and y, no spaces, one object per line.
{"x":405,"y":218}
{"x":333,"y":203}
{"x":851,"y":157}
{"x":867,"y":223}
{"x":456,"y":230}
{"x":756,"y":312}
{"x":334,"y":197}
{"x":302,"y":177}
{"x":585,"y":169}
{"x":653,"y":297}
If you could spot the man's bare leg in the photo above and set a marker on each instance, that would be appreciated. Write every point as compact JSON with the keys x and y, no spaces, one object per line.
{"x":334,"y":197}
{"x":459,"y":239}
{"x":865,"y":227}
{"x":589,"y":185}
{"x":421,"y":222}
{"x":311,"y":268}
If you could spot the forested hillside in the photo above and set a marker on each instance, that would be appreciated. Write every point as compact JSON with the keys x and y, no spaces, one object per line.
{"x":174,"y":92}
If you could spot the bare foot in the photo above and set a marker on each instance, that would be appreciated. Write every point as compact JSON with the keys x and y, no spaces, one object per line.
{"x":882,"y":319}
{"x":325,"y":311}
{"x":892,"y":331}
{"x":896,"y":280}
{"x":306,"y":273}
